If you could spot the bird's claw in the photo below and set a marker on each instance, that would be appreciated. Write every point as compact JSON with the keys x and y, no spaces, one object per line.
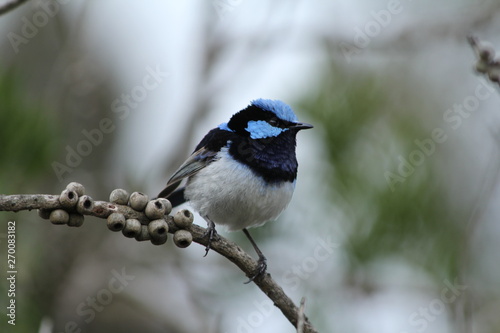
{"x":212,"y":234}
{"x":261,"y":269}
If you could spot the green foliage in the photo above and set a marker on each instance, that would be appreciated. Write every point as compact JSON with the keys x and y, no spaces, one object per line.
{"x":364,"y":133}
{"x":27,"y":135}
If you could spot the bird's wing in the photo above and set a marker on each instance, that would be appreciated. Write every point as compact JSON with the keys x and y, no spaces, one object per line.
{"x":197,"y":161}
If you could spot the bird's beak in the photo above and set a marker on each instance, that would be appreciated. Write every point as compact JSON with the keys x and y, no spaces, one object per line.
{"x":301,"y":126}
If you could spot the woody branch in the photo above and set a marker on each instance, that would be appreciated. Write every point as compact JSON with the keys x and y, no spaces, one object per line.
{"x":70,"y":207}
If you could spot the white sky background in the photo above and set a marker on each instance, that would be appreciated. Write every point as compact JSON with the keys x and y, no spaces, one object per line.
{"x":166,"y":34}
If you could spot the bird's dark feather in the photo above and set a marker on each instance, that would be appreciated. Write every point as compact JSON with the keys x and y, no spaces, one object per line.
{"x":272,"y":158}
{"x":177,"y":197}
{"x":204,"y":154}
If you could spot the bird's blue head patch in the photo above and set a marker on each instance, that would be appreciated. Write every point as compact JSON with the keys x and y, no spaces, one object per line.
{"x":224,"y":127}
{"x":280,"y":109}
{"x":261,"y":129}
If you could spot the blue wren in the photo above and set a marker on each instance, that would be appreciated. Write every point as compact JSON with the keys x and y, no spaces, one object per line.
{"x":242,"y":173}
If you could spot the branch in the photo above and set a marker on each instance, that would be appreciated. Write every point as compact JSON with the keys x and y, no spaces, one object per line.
{"x":486,"y":63}
{"x":301,"y":315}
{"x":75,"y":203}
{"x":11,"y":6}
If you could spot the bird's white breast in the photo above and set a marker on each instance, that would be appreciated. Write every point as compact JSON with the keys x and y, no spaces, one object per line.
{"x":230,"y":193}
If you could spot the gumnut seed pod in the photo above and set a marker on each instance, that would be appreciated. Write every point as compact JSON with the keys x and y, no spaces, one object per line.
{"x":77,"y":188}
{"x":155,"y":209}
{"x":85,"y":204}
{"x":168,"y":205}
{"x":119,"y":196}
{"x":44,"y":213}
{"x":183,"y":238}
{"x":59,"y":216}
{"x":132,"y":228}
{"x":138,"y":201}
{"x":75,"y":220}
{"x":158,"y":230}
{"x":183,"y":219}
{"x":68,"y":198}
{"x":116,"y":222}
{"x":144,"y":235}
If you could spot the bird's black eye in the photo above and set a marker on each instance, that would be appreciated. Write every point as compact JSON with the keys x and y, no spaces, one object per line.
{"x":273,"y":122}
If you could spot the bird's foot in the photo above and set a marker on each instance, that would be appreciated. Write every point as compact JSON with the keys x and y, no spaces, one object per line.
{"x":212,"y":235}
{"x":261,"y":269}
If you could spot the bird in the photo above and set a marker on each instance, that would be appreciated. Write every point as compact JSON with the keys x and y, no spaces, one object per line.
{"x":243,"y":173}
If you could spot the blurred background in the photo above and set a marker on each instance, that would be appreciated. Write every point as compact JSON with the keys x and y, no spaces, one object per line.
{"x":393,"y":226}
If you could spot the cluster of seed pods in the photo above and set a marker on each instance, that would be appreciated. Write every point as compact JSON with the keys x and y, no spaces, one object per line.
{"x":75,"y":204}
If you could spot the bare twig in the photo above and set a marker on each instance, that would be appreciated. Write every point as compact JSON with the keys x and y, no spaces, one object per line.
{"x":224,"y":247}
{"x":301,"y":316}
{"x":486,"y":63}
{"x":11,"y":5}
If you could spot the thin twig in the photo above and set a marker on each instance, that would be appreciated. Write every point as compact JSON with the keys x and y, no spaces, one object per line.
{"x":487,"y":63}
{"x":301,"y":316}
{"x":224,"y":247}
{"x":5,"y":8}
